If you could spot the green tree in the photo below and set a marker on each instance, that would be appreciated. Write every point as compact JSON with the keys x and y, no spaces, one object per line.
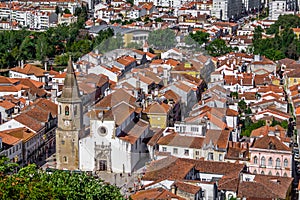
{"x":67,"y":11}
{"x":242,"y":105}
{"x":218,"y":47}
{"x":158,"y":19}
{"x":42,"y":47}
{"x":200,"y":37}
{"x":134,"y":45}
{"x":30,"y":183}
{"x":57,"y":10}
{"x":162,"y":39}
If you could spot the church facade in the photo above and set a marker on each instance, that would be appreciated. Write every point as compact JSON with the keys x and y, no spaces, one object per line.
{"x":116,"y":140}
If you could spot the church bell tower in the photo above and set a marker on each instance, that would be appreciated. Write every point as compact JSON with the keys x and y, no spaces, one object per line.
{"x":70,"y":120}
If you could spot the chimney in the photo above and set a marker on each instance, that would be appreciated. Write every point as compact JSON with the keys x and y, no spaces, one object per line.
{"x":22,"y":64}
{"x":45,"y":65}
{"x":155,"y":70}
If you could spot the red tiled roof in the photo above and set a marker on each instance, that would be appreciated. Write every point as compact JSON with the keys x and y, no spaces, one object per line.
{"x":6,"y":104}
{"x":30,"y":69}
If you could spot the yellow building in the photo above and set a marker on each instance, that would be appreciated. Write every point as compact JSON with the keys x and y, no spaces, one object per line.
{"x":158,"y":115}
{"x":136,"y":36}
{"x":292,"y":78}
{"x":187,"y":68}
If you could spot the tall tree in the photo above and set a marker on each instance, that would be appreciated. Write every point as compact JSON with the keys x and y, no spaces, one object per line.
{"x":162,"y":39}
{"x":218,"y":47}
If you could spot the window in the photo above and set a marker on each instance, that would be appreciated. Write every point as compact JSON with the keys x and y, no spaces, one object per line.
{"x":255,"y":159}
{"x":210,"y":156}
{"x":194,"y":129}
{"x":62,"y":142}
{"x":59,"y":109}
{"x":164,"y":149}
{"x":285,"y":175}
{"x":262,"y":172}
{"x":270,"y":173}
{"x":197,"y":153}
{"x":65,"y":159}
{"x":67,"y":110}
{"x":277,"y":174}
{"x":186,"y":152}
{"x":278,"y":164}
{"x":295,"y":80}
{"x":175,"y":151}
{"x":263,"y":161}
{"x":254,"y":172}
{"x":285,"y":163}
{"x":220,"y":157}
{"x":270,"y":162}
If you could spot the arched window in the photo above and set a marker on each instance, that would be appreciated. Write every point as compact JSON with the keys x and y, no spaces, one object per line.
{"x":263,"y":161}
{"x":278,"y":163}
{"x":285,"y":175}
{"x":65,"y":159}
{"x":67,"y":110}
{"x":270,"y":162}
{"x":255,"y":159}
{"x":277,"y":174}
{"x":285,"y":162}
{"x":255,"y":172}
{"x":270,"y":173}
{"x":262,"y":172}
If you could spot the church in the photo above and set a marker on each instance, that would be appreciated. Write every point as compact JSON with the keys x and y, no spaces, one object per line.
{"x":117,"y":134}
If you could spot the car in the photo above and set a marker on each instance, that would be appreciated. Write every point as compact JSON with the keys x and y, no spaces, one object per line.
{"x":295,"y":145}
{"x":296,"y":155}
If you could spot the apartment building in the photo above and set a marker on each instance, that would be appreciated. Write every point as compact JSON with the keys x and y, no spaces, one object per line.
{"x":227,"y":9}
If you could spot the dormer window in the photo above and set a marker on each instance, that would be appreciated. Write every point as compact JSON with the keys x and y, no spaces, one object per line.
{"x":271,"y":145}
{"x":67,"y":110}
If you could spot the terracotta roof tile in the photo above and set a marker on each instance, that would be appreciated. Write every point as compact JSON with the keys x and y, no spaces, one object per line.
{"x":115,"y":98}
{"x":6,"y":104}
{"x":155,"y":193}
{"x":265,"y":141}
{"x":29,"y":122}
{"x":8,"y":139}
{"x":265,"y":187}
{"x":30,"y":69}
{"x":157,"y":108}
{"x":5,"y":80}
{"x":22,"y":133}
{"x":177,"y":140}
{"x":132,"y":133}
{"x":187,"y":187}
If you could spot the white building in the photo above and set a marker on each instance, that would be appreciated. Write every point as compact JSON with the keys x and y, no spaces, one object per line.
{"x":277,"y":8}
{"x":226,"y":9}
{"x":29,"y":71}
{"x":115,"y":142}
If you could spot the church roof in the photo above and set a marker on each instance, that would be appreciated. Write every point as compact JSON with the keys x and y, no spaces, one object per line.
{"x":70,"y":90}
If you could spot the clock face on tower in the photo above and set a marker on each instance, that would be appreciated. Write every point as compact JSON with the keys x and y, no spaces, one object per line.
{"x":102,"y":131}
{"x":67,"y":123}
